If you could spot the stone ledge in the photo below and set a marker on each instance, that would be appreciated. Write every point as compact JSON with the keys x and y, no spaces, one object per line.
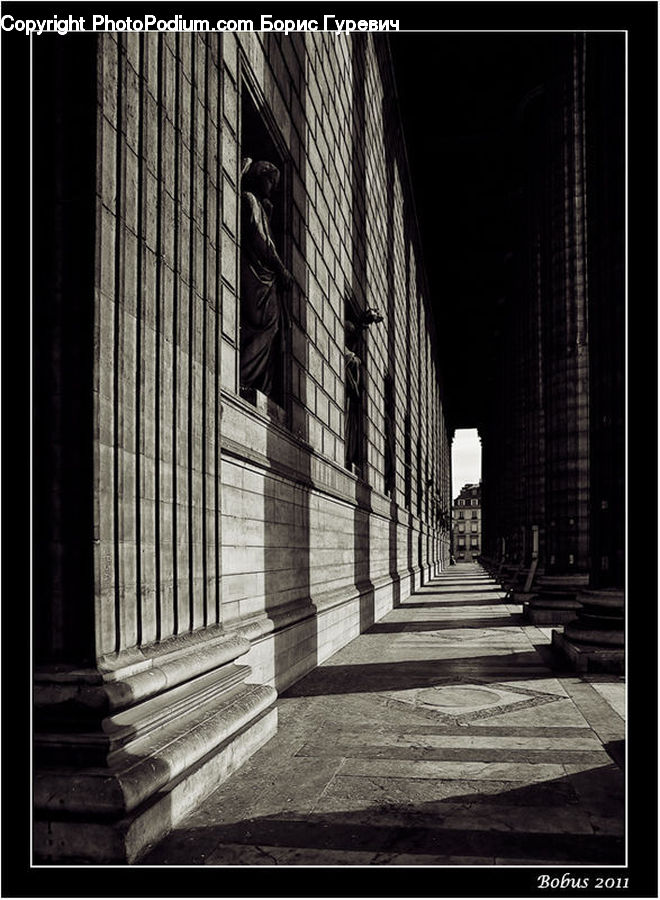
{"x":160,"y":667}
{"x":137,"y":722}
{"x":278,"y":619}
{"x":143,"y":767}
{"x":317,"y":472}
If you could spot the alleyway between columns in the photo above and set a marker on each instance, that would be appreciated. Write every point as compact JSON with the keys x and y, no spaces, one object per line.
{"x":444,"y":735}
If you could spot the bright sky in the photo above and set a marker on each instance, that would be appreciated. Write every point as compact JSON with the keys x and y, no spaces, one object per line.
{"x":465,"y":459}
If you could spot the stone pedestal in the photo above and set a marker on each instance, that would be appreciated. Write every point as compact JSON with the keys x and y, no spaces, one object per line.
{"x":548,"y":607}
{"x":521,"y":597}
{"x":555,"y":599}
{"x":121,"y":756}
{"x":594,"y":641}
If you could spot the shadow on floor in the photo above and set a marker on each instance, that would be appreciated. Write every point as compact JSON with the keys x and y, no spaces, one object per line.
{"x":453,"y":604}
{"x":617,"y":750}
{"x":410,"y":674}
{"x":435,"y":590}
{"x":511,"y":620}
{"x":488,"y":824}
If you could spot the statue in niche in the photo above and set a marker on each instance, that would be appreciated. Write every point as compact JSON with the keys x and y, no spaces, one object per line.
{"x":264,"y":316}
{"x":356,"y":324}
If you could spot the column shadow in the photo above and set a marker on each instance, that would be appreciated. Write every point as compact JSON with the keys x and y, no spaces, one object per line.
{"x":487,"y":825}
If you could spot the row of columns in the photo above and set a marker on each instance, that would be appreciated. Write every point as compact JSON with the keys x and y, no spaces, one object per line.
{"x":554,"y":439}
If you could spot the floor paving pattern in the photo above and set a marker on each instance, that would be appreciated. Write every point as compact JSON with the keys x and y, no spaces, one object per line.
{"x":444,"y":735}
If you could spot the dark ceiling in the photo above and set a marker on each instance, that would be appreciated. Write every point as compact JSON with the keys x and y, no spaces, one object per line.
{"x":458,"y":95}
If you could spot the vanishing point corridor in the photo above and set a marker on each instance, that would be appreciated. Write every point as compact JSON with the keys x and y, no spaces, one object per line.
{"x":443,"y":735}
{"x":277,"y":274}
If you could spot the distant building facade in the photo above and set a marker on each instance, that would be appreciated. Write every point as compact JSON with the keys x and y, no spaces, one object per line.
{"x":466,"y":524}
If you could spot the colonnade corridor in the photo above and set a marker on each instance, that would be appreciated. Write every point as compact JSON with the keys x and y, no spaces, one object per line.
{"x":444,"y":735}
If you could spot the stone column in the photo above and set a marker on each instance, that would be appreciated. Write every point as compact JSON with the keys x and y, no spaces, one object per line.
{"x":142,"y":705}
{"x":559,"y":213}
{"x":594,"y":641}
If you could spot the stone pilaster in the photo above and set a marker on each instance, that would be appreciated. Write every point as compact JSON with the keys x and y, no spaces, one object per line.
{"x":142,"y":701}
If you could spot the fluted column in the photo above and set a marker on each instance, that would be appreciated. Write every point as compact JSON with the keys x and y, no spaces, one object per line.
{"x":558,"y":219}
{"x":595,"y":639}
{"x":141,"y":702}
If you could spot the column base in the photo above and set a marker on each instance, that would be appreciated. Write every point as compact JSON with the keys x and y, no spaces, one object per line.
{"x":94,"y":841}
{"x":120,"y":761}
{"x":589,"y":659}
{"x":574,"y":582}
{"x":521,"y":597}
{"x":551,"y":607}
{"x":594,"y":641}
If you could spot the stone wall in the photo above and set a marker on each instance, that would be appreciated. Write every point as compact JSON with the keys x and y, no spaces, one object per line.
{"x":168,"y":318}
{"x":302,"y":535}
{"x":227,"y":547}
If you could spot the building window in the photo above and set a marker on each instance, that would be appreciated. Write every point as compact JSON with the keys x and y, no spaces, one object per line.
{"x":475,"y":514}
{"x":461,"y":542}
{"x":474,"y":502}
{"x":475,"y":543}
{"x":461,"y":514}
{"x":461,"y":527}
{"x":461,"y":502}
{"x":475,"y":527}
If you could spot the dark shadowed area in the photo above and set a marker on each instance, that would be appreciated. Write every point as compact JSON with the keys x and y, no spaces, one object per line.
{"x":460,"y":98}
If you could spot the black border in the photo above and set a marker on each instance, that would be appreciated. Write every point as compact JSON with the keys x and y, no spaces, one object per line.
{"x":640,"y":20}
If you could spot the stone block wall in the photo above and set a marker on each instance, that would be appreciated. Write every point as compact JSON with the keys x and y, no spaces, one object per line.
{"x":301,"y":534}
{"x":216,"y":545}
{"x":175,"y":551}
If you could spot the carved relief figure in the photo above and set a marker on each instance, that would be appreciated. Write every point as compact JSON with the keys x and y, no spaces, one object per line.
{"x":264,"y":277}
{"x":355,"y":326}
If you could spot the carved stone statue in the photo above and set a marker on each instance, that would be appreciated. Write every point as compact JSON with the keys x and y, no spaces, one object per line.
{"x":355,"y":326}
{"x":263,"y":312}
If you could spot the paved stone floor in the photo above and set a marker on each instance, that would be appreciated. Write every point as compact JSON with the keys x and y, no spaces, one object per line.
{"x":444,"y":735}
